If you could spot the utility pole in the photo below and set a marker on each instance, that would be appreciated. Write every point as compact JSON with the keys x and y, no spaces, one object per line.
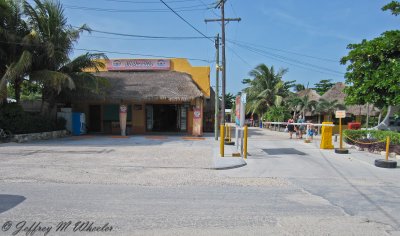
{"x":216,"y":121}
{"x":221,"y":4}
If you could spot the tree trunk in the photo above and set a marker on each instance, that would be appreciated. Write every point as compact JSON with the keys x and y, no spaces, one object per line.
{"x":384,"y":125}
{"x":17,"y":89}
{"x":380,"y":117}
{"x":49,"y":97}
{"x":319,"y":122}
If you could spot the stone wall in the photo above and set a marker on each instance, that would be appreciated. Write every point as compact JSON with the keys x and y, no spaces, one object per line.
{"x":23,"y":138}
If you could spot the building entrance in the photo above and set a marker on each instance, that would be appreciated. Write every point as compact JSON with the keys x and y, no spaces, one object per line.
{"x":165,"y":118}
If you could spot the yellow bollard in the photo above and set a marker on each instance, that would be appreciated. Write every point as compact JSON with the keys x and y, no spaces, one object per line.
{"x":387,"y":147}
{"x":245,"y":142}
{"x":341,"y":133}
{"x":326,"y":136}
{"x":222,"y":140}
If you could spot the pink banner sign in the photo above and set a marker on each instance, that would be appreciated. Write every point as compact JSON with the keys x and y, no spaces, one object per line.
{"x":138,"y":64}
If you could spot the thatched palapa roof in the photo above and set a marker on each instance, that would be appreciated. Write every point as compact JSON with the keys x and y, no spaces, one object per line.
{"x":337,"y":93}
{"x":149,"y":85}
{"x":312,"y":94}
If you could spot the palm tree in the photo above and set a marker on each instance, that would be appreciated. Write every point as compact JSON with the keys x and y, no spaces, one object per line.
{"x":305,"y":104}
{"x":265,"y":89}
{"x":15,"y":57}
{"x":299,"y":87}
{"x":52,"y":66}
{"x":293,"y":103}
{"x":328,"y":107}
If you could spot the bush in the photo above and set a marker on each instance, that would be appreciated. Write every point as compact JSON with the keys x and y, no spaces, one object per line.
{"x":373,"y":140}
{"x":378,"y":135}
{"x":14,"y":119}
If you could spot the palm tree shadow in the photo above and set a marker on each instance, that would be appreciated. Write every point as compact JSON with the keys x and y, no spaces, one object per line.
{"x":8,"y":202}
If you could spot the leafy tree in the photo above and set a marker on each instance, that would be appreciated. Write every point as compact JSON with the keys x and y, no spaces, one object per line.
{"x":299,"y":87}
{"x":277,"y":114}
{"x":15,"y":57}
{"x":229,"y":100}
{"x":265,"y":89}
{"x":393,"y":6}
{"x":51,"y":65}
{"x":374,"y":72}
{"x":324,"y":85}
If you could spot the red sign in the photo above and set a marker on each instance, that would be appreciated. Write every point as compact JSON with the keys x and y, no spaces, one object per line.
{"x":138,"y":64}
{"x":197,"y":113}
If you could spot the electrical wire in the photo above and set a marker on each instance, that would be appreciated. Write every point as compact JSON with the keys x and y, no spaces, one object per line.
{"x":285,"y":51}
{"x":139,"y":54}
{"x":113,"y":52}
{"x":181,"y":9}
{"x":186,"y":21}
{"x":289,"y":59}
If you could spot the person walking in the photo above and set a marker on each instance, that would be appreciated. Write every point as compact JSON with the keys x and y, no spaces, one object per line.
{"x":301,"y":127}
{"x":290,"y":127}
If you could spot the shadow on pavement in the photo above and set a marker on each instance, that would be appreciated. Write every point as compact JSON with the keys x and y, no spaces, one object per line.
{"x":8,"y":202}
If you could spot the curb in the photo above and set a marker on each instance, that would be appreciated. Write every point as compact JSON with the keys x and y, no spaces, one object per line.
{"x":226,"y":163}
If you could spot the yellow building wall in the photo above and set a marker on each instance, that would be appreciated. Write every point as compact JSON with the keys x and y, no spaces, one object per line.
{"x":200,"y":74}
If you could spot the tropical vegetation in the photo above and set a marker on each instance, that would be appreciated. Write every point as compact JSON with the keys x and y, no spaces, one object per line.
{"x":35,"y":44}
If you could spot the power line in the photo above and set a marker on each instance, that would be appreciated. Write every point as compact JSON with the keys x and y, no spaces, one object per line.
{"x":144,"y":36}
{"x":186,"y":21}
{"x":180,"y":9}
{"x":112,"y":52}
{"x":140,"y":38}
{"x":285,"y":51}
{"x":139,"y":54}
{"x":303,"y":66}
{"x":150,"y":2}
{"x":289,"y":59}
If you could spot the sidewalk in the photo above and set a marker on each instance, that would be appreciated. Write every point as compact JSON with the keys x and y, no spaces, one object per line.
{"x":228,"y":161}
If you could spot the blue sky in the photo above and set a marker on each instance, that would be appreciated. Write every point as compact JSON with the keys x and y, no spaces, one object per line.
{"x":307,"y":37}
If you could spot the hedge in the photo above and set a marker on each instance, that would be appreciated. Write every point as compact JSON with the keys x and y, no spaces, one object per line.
{"x":14,"y":119}
{"x":377,"y":135}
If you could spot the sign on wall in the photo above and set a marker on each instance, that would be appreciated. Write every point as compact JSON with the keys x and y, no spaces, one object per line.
{"x":197,"y":113}
{"x":138,"y":64}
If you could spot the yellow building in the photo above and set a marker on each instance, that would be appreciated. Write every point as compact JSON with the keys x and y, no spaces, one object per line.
{"x":161,"y":95}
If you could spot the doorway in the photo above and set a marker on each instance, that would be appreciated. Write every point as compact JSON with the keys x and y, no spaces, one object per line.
{"x":165,"y":118}
{"x":94,"y":118}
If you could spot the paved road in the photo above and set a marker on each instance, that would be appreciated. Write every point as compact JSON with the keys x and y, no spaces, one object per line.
{"x":158,"y":186}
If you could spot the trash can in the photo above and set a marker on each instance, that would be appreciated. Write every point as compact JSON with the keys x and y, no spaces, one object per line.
{"x":354,"y":125}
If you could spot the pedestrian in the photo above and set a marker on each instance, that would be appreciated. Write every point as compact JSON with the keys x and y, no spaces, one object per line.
{"x":290,"y":127}
{"x":301,"y":127}
{"x":310,"y":131}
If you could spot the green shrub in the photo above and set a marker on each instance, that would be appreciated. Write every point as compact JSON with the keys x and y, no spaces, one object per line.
{"x":14,"y":119}
{"x":378,"y":135}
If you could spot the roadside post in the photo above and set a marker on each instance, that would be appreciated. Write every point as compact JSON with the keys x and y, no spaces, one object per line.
{"x":386,"y":163}
{"x":341,"y":114}
{"x":245,"y":142}
{"x":222,"y":138}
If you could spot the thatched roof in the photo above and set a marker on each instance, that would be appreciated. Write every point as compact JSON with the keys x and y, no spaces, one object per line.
{"x":312,"y":94}
{"x":149,"y":85}
{"x":337,"y":93}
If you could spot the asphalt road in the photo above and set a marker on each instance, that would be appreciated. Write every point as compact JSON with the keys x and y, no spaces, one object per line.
{"x":142,"y":186}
